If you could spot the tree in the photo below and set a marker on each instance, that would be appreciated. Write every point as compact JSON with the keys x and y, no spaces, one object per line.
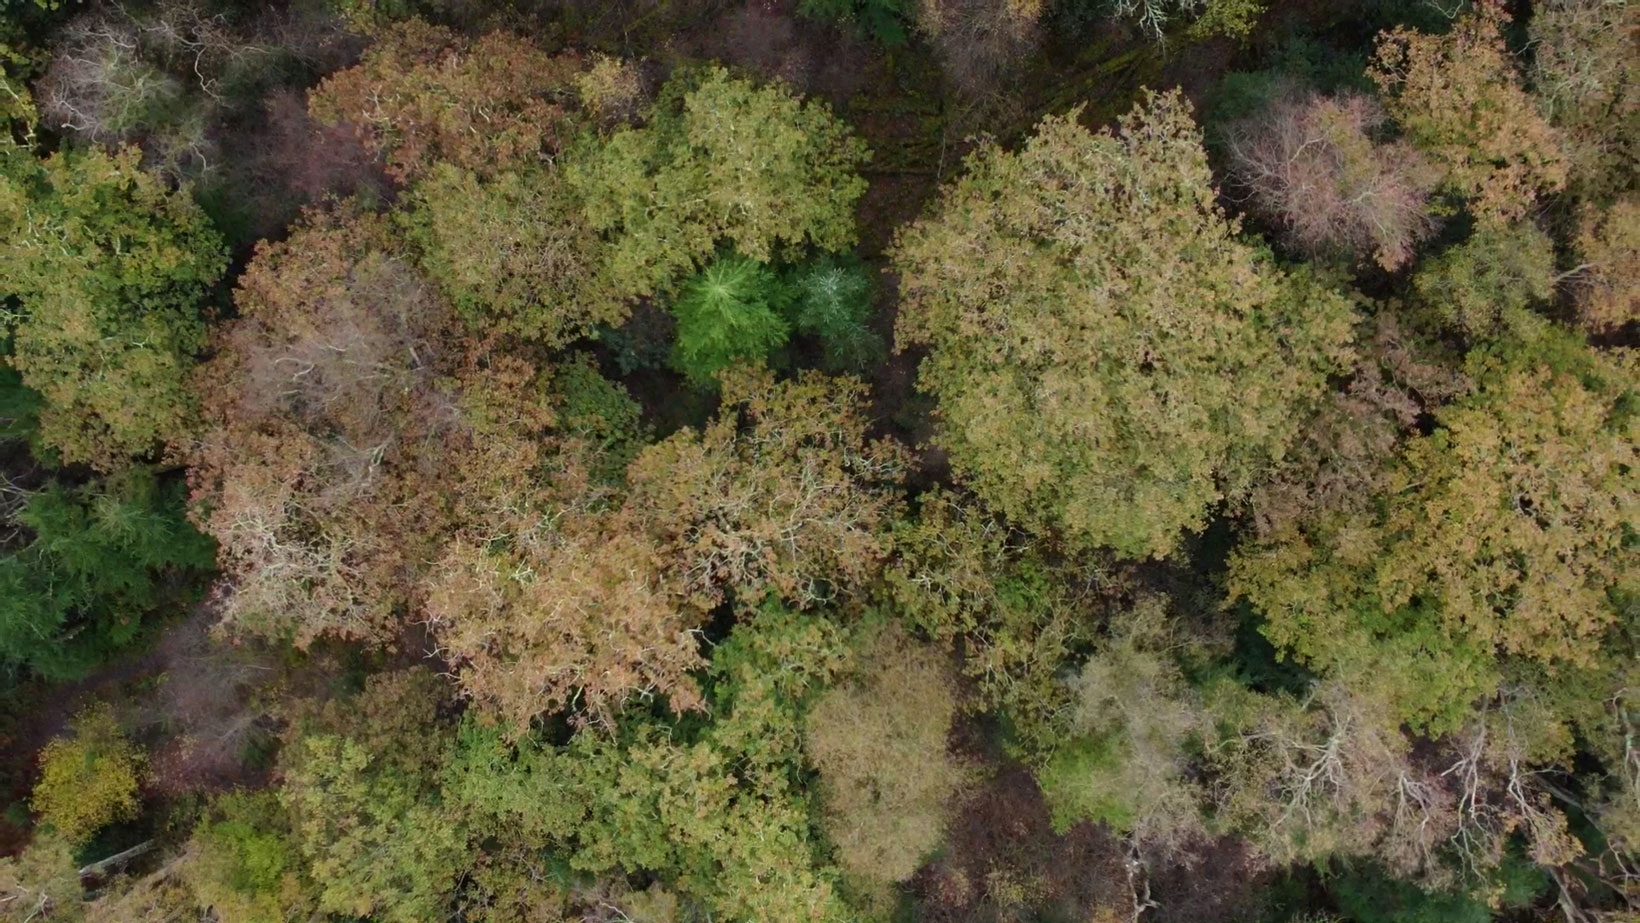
{"x":1135,"y":722}
{"x":564,"y":610}
{"x":1608,"y":283}
{"x":1234,"y":18}
{"x":884,"y":20}
{"x":89,"y":780}
{"x":576,"y":596}
{"x":963,"y":578}
{"x":100,"y":560}
{"x":111,"y":270}
{"x":319,"y":398}
{"x":41,"y":883}
{"x":1109,"y":359}
{"x":424,"y":95}
{"x":1458,"y":98}
{"x":832,"y":302}
{"x":719,"y":162}
{"x":602,"y":416}
{"x":352,"y":432}
{"x":1584,"y":77}
{"x":612,"y":89}
{"x":1494,"y":540}
{"x":512,"y":254}
{"x":362,"y":792}
{"x":242,"y":863}
{"x":711,"y":806}
{"x":724,"y":814}
{"x":1310,"y":165}
{"x":728,"y":312}
{"x":781,"y":493}
{"x":887,"y":781}
{"x":1325,"y":776}
{"x":979,"y":40}
{"x":1484,"y":286}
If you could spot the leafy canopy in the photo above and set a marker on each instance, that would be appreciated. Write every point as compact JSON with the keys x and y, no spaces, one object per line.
{"x":1110,"y":359}
{"x":719,"y":162}
{"x":1501,"y":535}
{"x":90,"y":779}
{"x":110,"y":269}
{"x":512,"y":253}
{"x":425,"y":95}
{"x":1458,"y":97}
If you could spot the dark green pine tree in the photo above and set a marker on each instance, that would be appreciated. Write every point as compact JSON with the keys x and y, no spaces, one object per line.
{"x":89,"y":564}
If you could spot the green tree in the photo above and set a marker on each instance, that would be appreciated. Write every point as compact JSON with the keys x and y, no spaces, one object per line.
{"x":602,"y":414}
{"x":361,"y":786}
{"x":1135,"y":722}
{"x":964,"y":579}
{"x":243,"y":864}
{"x":720,"y":162}
{"x":512,"y":253}
{"x":110,"y":270}
{"x":102,"y":558}
{"x":884,"y":20}
{"x":1110,"y":359}
{"x":90,"y":779}
{"x":729,"y":311}
{"x":1484,"y":286}
{"x":715,"y":808}
{"x":1500,"y":537}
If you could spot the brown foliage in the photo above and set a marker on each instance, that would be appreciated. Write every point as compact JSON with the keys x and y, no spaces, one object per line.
{"x":333,"y":415}
{"x":423,"y":94}
{"x":1310,"y":165}
{"x":1608,"y":288}
{"x":1458,"y":98}
{"x":1003,"y":861}
{"x":781,"y":492}
{"x":980,"y":39}
{"x":880,"y":745}
{"x":579,"y":610}
{"x":556,"y":593}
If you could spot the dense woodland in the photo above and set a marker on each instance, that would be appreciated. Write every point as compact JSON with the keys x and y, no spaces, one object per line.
{"x":695,"y":461}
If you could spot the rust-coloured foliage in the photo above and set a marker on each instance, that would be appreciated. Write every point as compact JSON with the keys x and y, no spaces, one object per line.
{"x":423,"y":94}
{"x":1458,"y":98}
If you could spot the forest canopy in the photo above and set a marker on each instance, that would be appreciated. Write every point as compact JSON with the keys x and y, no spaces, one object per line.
{"x":828,"y":461}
